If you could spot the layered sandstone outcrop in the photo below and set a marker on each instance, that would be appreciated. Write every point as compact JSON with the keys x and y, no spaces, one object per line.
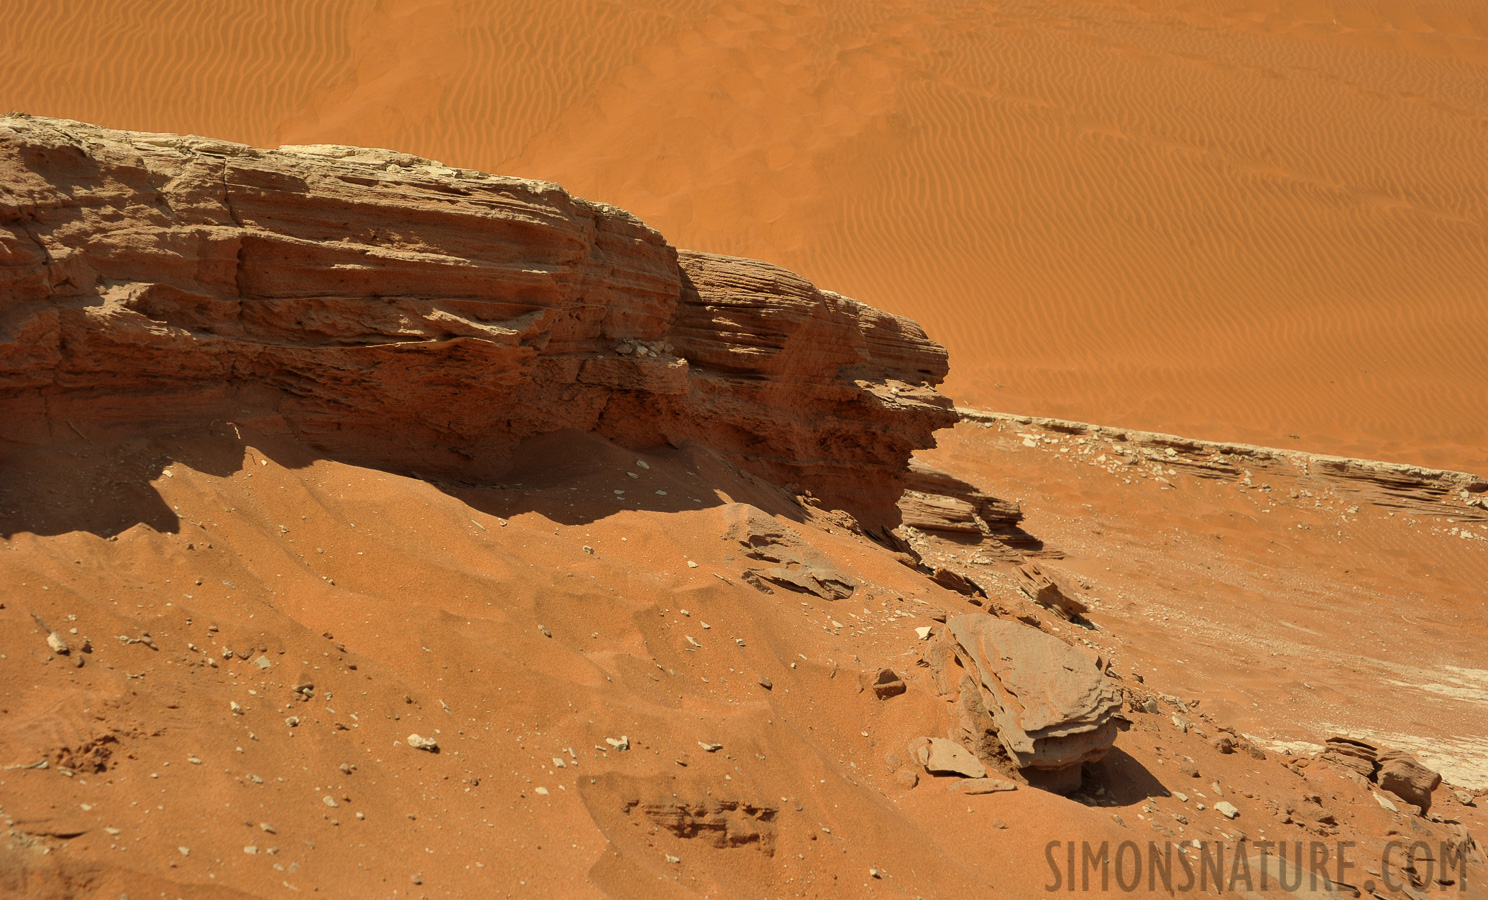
{"x":406,"y":313}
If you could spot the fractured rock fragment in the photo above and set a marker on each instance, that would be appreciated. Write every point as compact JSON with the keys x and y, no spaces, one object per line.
{"x":886,"y":684}
{"x":1028,"y":702}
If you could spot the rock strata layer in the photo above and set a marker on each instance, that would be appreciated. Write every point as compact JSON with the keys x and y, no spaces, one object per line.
{"x":407,"y":313}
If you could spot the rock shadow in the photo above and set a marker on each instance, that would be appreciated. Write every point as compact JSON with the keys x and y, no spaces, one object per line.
{"x":103,"y":479}
{"x":1118,"y":780}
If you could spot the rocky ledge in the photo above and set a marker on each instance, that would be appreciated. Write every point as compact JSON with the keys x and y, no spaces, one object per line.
{"x":400,"y":312}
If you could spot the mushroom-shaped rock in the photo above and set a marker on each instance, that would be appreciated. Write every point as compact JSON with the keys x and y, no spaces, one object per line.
{"x":1027,"y":700}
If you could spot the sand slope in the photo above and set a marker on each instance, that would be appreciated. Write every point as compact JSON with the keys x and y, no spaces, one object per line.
{"x":305,"y":616}
{"x":1259,"y":221}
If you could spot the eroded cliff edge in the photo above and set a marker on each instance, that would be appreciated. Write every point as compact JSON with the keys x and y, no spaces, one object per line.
{"x":409,"y":314}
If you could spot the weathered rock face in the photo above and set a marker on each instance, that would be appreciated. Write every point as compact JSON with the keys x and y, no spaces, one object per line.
{"x":409,"y":313}
{"x":1027,"y":701}
{"x":1393,"y":770}
{"x":1402,"y":775}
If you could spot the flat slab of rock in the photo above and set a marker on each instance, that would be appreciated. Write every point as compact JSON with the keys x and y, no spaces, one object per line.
{"x":984,"y":785}
{"x":940,"y":756}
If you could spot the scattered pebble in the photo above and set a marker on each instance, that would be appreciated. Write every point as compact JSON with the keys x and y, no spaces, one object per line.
{"x":1226,"y":809}
{"x":419,"y":742}
{"x":620,"y":743}
{"x":710,"y":748}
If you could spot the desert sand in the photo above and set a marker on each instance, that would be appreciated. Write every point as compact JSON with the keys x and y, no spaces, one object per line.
{"x":283,"y":509}
{"x":1259,"y":220}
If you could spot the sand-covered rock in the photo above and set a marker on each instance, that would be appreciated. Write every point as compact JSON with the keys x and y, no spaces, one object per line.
{"x":794,"y":564}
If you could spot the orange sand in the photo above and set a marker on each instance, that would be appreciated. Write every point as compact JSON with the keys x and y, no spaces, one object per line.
{"x":1261,"y":220}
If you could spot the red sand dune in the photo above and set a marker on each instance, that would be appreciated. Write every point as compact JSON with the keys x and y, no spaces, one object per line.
{"x":1260,"y":220}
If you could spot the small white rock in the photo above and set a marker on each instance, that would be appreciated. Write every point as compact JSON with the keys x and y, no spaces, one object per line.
{"x":924,"y":632}
{"x":1226,"y":809}
{"x":620,"y":743}
{"x":329,"y":801}
{"x":419,"y":742}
